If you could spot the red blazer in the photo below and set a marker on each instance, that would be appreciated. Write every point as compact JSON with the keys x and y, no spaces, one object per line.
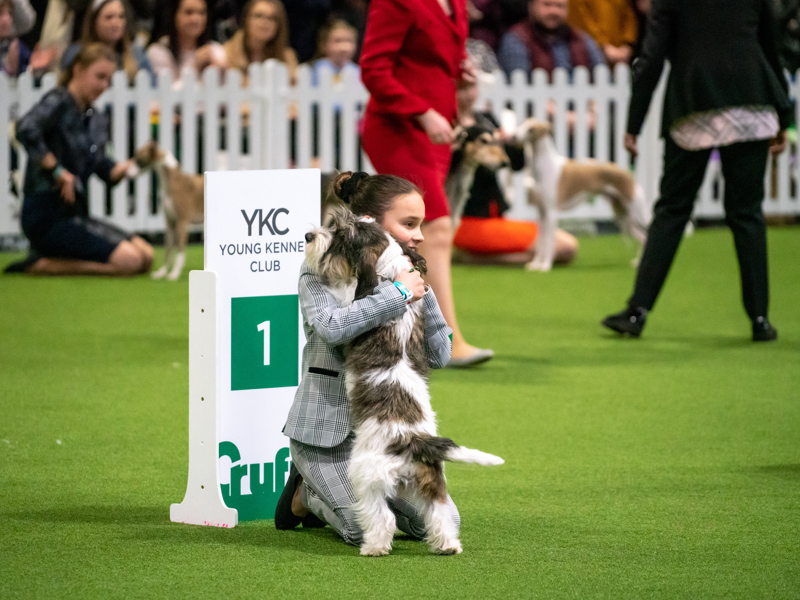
{"x":411,"y":56}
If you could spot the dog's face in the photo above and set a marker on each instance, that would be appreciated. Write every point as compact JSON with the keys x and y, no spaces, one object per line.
{"x":348,"y":248}
{"x":477,"y":146}
{"x":532,"y":130}
{"x":148,"y":155}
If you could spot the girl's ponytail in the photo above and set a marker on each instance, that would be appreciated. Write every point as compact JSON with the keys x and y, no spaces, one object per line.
{"x":371,"y":195}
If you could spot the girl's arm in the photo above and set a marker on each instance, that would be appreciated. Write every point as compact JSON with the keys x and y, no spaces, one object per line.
{"x":33,"y":126}
{"x":438,"y":343}
{"x":338,"y":325}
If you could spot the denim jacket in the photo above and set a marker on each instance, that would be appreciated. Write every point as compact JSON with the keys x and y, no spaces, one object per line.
{"x":77,"y":139}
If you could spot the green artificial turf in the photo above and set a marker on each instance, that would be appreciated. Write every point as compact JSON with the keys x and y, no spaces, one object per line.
{"x":665,"y":467}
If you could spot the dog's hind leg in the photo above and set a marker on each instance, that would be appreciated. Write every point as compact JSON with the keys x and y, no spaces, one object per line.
{"x":182,"y":235}
{"x":442,"y":530}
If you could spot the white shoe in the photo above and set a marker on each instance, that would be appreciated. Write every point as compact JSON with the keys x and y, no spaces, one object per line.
{"x":481,"y":355}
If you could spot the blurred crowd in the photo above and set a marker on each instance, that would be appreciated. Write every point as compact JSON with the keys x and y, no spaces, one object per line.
{"x":44,"y":35}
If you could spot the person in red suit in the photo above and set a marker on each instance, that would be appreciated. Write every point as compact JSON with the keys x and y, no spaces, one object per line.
{"x":412,"y":61}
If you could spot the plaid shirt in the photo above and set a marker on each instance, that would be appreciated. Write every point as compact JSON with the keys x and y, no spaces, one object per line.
{"x":320,"y":414}
{"x":77,"y":139}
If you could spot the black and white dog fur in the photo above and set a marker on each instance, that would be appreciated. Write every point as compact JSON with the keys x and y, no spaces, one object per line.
{"x":386,"y":377}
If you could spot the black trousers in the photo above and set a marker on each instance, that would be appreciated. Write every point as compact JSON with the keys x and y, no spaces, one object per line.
{"x":743,"y":167}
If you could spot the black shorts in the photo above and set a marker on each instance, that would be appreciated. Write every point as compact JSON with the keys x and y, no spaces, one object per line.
{"x":53,"y":234}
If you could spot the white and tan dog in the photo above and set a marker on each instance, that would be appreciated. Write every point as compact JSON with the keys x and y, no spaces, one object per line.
{"x":557,"y":183}
{"x":182,"y":200}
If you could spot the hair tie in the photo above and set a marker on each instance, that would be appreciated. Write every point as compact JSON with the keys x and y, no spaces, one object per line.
{"x":349,"y":187}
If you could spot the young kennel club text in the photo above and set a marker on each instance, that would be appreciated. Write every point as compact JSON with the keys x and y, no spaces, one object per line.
{"x":264,"y":266}
{"x":270,"y":221}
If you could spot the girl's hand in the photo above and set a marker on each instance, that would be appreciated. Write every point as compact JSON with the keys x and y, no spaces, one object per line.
{"x":437,"y":127}
{"x":202,"y":58}
{"x":413,"y":281}
{"x":778,"y":143}
{"x":469,"y":73}
{"x":66,"y":183}
{"x":122,"y":169}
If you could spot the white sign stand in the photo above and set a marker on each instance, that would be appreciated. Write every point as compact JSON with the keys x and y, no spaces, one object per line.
{"x":245,"y":342}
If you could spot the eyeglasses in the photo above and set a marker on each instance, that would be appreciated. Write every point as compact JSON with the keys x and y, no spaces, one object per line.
{"x":269,"y":17}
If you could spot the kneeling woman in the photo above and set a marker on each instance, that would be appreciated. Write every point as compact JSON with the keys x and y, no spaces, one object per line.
{"x":65,"y":139}
{"x":319,"y":489}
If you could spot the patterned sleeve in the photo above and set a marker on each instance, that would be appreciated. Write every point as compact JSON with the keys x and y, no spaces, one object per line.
{"x":513,"y":55}
{"x":438,"y":343}
{"x":34,"y":126}
{"x":338,"y":325}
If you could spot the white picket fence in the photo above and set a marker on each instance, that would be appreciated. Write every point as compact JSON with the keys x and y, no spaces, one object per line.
{"x":287,"y":126}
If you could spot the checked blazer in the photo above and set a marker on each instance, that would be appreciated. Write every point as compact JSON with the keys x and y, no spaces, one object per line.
{"x":320,"y":414}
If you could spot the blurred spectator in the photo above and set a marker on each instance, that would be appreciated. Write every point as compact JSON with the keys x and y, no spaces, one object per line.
{"x":484,"y":235}
{"x":264,"y":35}
{"x":545,"y":41}
{"x":16,"y":18}
{"x":187,"y":42}
{"x":107,"y":23}
{"x":306,"y":18}
{"x":787,"y":14}
{"x":336,"y":49}
{"x":66,"y":139}
{"x":611,"y":23}
{"x":355,"y":13}
{"x":485,"y":21}
{"x":139,"y":12}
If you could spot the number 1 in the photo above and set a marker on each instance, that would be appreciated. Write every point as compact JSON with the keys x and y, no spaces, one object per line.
{"x":265,"y":328}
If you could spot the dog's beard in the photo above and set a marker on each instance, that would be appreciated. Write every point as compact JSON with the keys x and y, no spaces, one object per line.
{"x":315,"y":251}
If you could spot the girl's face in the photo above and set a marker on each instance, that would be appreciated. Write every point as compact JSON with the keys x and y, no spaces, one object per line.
{"x":262,"y":23}
{"x":404,"y":219}
{"x":109,"y":25}
{"x":89,"y":82}
{"x":340,"y":47}
{"x":191,"y":19}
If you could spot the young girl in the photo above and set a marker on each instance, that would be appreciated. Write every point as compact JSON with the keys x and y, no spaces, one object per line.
{"x":107,"y":23}
{"x":337,"y":47}
{"x":264,"y":35}
{"x":319,"y":490}
{"x":65,"y":139}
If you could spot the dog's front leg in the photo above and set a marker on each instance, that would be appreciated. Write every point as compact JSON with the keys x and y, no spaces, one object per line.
{"x":182,"y":234}
{"x":545,"y":241}
{"x":169,"y":251}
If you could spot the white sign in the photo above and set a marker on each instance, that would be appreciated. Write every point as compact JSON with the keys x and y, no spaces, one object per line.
{"x":255,"y":226}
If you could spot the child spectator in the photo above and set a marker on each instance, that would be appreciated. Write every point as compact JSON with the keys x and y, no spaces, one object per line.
{"x":16,"y":17}
{"x":337,"y":47}
{"x":187,"y":41}
{"x":264,"y":35}
{"x":484,"y":235}
{"x":107,"y":23}
{"x":65,"y":139}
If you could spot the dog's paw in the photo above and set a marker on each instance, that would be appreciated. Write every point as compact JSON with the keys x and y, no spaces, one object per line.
{"x":375,"y":550}
{"x":538,"y":265}
{"x":174,"y":276}
{"x":450,"y":548}
{"x":159,"y":274}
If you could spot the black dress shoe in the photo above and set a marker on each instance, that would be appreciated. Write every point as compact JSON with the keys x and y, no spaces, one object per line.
{"x":284,"y":517}
{"x":630,"y":321}
{"x":22,"y":266}
{"x":763,"y":331}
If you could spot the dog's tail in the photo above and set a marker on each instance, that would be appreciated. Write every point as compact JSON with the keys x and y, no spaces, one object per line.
{"x":431,"y":449}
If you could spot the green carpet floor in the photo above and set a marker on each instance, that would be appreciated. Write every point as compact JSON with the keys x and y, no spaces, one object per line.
{"x":665,"y":467}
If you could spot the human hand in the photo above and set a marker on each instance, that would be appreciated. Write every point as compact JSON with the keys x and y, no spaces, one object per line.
{"x":617,"y":54}
{"x":11,"y":62}
{"x":202,"y":57}
{"x":469,"y":74}
{"x":66,"y":184}
{"x":124,"y":168}
{"x":631,"y":145}
{"x":778,"y":143}
{"x":437,"y":127}
{"x":413,"y":281}
{"x":42,"y":58}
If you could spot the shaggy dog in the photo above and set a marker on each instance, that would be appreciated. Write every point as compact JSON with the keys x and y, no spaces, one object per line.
{"x":474,"y":147}
{"x":386,"y":377}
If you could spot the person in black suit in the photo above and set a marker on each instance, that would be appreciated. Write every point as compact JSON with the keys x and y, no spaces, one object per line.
{"x":726,"y":90}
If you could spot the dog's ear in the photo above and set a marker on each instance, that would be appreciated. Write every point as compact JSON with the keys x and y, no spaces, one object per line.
{"x":366,"y":274}
{"x":416,"y":258}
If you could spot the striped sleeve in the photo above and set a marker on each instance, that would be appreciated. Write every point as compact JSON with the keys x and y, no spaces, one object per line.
{"x":438,"y":343}
{"x":338,"y":325}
